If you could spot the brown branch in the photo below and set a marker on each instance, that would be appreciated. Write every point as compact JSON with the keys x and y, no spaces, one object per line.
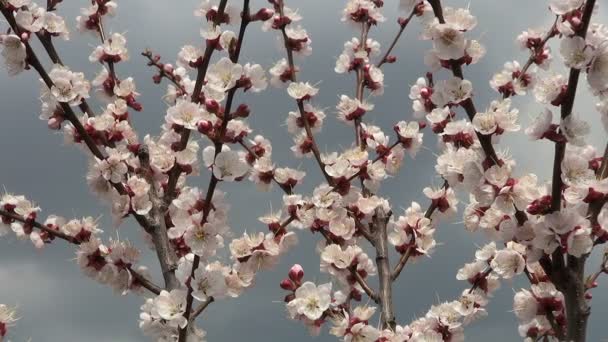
{"x":358,"y":278}
{"x":468,"y":105}
{"x":46,"y":40}
{"x":40,"y":226}
{"x":183,"y":333}
{"x":550,"y":34}
{"x":170,"y":76}
{"x":69,"y":114}
{"x":290,"y":60}
{"x":176,"y":171}
{"x":402,"y":261}
{"x":57,"y":234}
{"x":406,"y":256}
{"x":396,"y":39}
{"x":287,"y":189}
{"x":200,"y":309}
{"x":570,"y":277}
{"x":387,"y":315}
{"x":164,"y":250}
{"x":145,"y":282}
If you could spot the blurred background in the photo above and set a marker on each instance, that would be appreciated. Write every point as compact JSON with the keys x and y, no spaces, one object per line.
{"x":57,"y":303}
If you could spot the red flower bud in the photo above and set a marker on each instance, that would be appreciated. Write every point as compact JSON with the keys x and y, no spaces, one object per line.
{"x":288,"y":285}
{"x":296,"y":273}
{"x":204,"y":126}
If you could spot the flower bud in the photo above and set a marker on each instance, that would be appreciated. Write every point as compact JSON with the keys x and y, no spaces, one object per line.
{"x":168,"y":68}
{"x":403,"y":21}
{"x":212,"y":106}
{"x":296,"y":273}
{"x":263,"y":14}
{"x":204,"y":126}
{"x":288,"y":285}
{"x":242,"y":111}
{"x":391,"y":59}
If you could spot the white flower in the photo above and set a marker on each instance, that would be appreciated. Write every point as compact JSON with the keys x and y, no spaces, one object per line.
{"x":14,"y":53}
{"x":548,"y":88}
{"x":575,"y":130}
{"x":228,"y":165}
{"x":32,"y":19}
{"x":70,"y":87}
{"x":497,"y":119}
{"x":597,"y":75}
{"x":301,"y":90}
{"x":256,"y":76}
{"x":55,"y":25}
{"x":280,"y":72}
{"x":455,"y":90}
{"x":540,"y":125}
{"x":114,"y":50}
{"x":350,"y":109}
{"x":525,"y":305}
{"x":188,"y":55}
{"x":334,"y":257}
{"x":460,"y":18}
{"x":310,"y":300}
{"x":224,"y":74}
{"x":113,"y":168}
{"x":8,"y":317}
{"x":575,"y":51}
{"x":358,"y":10}
{"x":448,"y":41}
{"x":203,"y":239}
{"x":561,"y":7}
{"x":171,"y":306}
{"x":299,"y":40}
{"x":185,"y":113}
{"x":410,"y":136}
{"x":566,"y":229}
{"x":208,"y":282}
{"x":362,"y":332}
{"x":509,"y":262}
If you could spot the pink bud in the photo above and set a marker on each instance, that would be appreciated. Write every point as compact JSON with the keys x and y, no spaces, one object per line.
{"x":54,"y":123}
{"x":25,"y":36}
{"x":168,"y":68}
{"x":403,"y":21}
{"x":391,"y":59}
{"x":212,"y":106}
{"x":296,"y":273}
{"x":263,"y":14}
{"x":204,"y":126}
{"x":242,"y":111}
{"x":287,"y":284}
{"x":425,"y":92}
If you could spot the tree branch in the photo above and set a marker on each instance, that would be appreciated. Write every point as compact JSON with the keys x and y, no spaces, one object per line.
{"x":146,"y":283}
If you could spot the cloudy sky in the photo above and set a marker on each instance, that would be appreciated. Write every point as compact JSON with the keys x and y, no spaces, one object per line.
{"x":57,"y":303}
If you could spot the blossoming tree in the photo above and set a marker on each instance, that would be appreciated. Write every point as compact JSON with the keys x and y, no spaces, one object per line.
{"x":543,"y":231}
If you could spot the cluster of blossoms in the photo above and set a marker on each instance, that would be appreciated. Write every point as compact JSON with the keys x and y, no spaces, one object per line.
{"x":111,"y":265}
{"x":513,"y":211}
{"x":32,"y":20}
{"x":146,"y":177}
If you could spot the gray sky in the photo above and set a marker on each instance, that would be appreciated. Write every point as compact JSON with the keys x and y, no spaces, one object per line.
{"x":58,"y":304}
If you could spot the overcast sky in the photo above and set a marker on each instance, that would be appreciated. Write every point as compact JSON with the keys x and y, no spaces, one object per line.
{"x":57,"y":303}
